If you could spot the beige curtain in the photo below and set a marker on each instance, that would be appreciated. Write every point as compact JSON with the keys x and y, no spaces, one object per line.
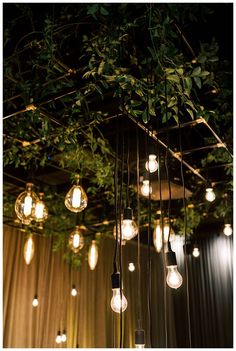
{"x":87,"y":318}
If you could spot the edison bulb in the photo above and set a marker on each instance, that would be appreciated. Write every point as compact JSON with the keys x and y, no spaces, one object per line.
{"x":76,"y":240}
{"x":118,"y":302}
{"x":196,"y":252}
{"x":174,"y":278}
{"x":35,"y":301}
{"x":58,"y":338}
{"x":76,"y":199}
{"x":129,"y":228}
{"x":25,"y":204}
{"x":146,"y":188}
{"x":228,"y":230}
{"x":210,"y":195}
{"x":29,"y":250}
{"x":64,"y":337}
{"x":93,"y":255}
{"x":157,"y":235}
{"x":74,"y":292}
{"x":131,"y":267}
{"x":40,"y":212}
{"x":151,"y":165}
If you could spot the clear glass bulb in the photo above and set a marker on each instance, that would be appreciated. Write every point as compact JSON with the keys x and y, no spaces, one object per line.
{"x":76,"y":240}
{"x":151,"y":165}
{"x":40,"y":212}
{"x":25,"y":204}
{"x":29,"y":250}
{"x":129,"y":230}
{"x":146,"y":188}
{"x":35,"y":301}
{"x":74,"y":292}
{"x":58,"y":338}
{"x":93,"y":255}
{"x":228,"y":230}
{"x":64,"y":337}
{"x":210,"y":195}
{"x":196,"y":252}
{"x":117,"y":302}
{"x":174,"y":278}
{"x":76,"y":199}
{"x":131,"y":267}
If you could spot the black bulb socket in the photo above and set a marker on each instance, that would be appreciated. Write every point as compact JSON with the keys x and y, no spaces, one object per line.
{"x":128,"y":213}
{"x":115,"y":280}
{"x":139,"y":337}
{"x":171,"y":258}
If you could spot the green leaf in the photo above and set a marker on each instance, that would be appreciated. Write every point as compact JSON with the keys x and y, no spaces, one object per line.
{"x":173,"y":78}
{"x":204,"y":73}
{"x":180,"y":71}
{"x":172,"y":102}
{"x":188,"y":83}
{"x":190,"y":112}
{"x":198,"y":81}
{"x":196,"y":72}
{"x":103,"y":11}
{"x":145,"y":116}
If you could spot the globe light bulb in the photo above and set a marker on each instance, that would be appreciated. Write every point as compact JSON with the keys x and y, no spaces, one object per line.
{"x":25,"y":203}
{"x":74,"y":292}
{"x":139,"y":339}
{"x":63,"y":337}
{"x":76,"y":240}
{"x":131,"y":267}
{"x":40,"y":212}
{"x":228,"y":230}
{"x":76,"y":199}
{"x":174,"y":278}
{"x":210,"y":195}
{"x":151,"y":165}
{"x":196,"y":252}
{"x":129,"y":228}
{"x":35,"y":301}
{"x":93,"y":255}
{"x":58,"y":338}
{"x":146,"y":188}
{"x":118,"y":301}
{"x":29,"y":249}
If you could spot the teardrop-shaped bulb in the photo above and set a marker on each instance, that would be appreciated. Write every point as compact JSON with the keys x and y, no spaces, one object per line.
{"x":76,"y":240}
{"x":25,"y":203}
{"x":93,"y":255}
{"x":76,"y":199}
{"x":151,"y":165}
{"x":29,"y":249}
{"x":40,"y":211}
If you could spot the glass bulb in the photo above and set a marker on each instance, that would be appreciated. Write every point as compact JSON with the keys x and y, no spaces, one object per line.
{"x":228,"y":230}
{"x":174,"y":278}
{"x":129,"y":230}
{"x":146,"y":188}
{"x":76,"y":240}
{"x":210,"y":195}
{"x":25,"y":203}
{"x":35,"y":301}
{"x":157,"y":235}
{"x":29,"y":250}
{"x":196,"y":252}
{"x":151,"y":165}
{"x":131,"y":267}
{"x":40,"y":212}
{"x":117,"y":302}
{"x":93,"y":255}
{"x":58,"y":338}
{"x":76,"y":199}
{"x":74,"y":292}
{"x":63,"y":337}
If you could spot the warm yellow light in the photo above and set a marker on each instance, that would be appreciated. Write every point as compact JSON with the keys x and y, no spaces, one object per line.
{"x":157,"y":234}
{"x":131,"y":267}
{"x":29,"y":250}
{"x":210,"y":195}
{"x":40,"y":212}
{"x":35,"y":301}
{"x":76,"y":199}
{"x":118,"y":302}
{"x":146,"y":188}
{"x":151,"y":165}
{"x":58,"y":338}
{"x":174,"y":278}
{"x":76,"y":240}
{"x":138,"y":346}
{"x":228,"y":230}
{"x":93,"y":255}
{"x":64,"y":337}
{"x":74,"y":292}
{"x":25,"y":204}
{"x":196,"y":252}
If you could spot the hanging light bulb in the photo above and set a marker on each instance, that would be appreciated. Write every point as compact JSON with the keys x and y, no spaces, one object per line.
{"x":196,"y":252}
{"x":25,"y":204}
{"x":131,"y":267}
{"x":210,"y":195}
{"x":228,"y":230}
{"x":63,"y":337}
{"x":74,"y":292}
{"x":139,"y":339}
{"x":58,"y":337}
{"x":174,"y":278}
{"x":118,"y":301}
{"x":93,"y":255}
{"x":146,"y":188}
{"x":35,"y":301}
{"x":76,"y":240}
{"x":157,"y":234}
{"x":76,"y":199}
{"x":151,"y":165}
{"x":29,"y":249}
{"x":129,"y":228}
{"x":40,"y":212}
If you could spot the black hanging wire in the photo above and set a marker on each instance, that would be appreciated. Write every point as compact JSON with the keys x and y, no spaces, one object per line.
{"x":128,"y":168}
{"x":185,"y":241}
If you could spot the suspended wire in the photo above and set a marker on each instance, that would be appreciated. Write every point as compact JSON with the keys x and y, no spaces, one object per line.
{"x":128,"y":170}
{"x":116,"y":200}
{"x":185,"y":241}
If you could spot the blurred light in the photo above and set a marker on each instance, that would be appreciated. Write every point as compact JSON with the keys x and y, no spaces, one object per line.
{"x":131,"y":267}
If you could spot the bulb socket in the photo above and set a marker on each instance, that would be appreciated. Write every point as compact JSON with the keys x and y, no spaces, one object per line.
{"x":139,"y":337}
{"x":128,"y":213}
{"x":115,"y":280}
{"x":171,"y":259}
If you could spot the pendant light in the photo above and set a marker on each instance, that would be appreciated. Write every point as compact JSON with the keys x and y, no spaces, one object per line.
{"x":63,"y":336}
{"x":151,"y":165}
{"x":118,"y":302}
{"x":35,"y":301}
{"x":196,"y":252}
{"x":40,"y":211}
{"x":157,"y":234}
{"x":139,"y":339}
{"x":174,"y":279}
{"x":228,"y":229}
{"x":129,"y":228}
{"x":74,"y":291}
{"x":146,"y":188}
{"x":25,"y":203}
{"x":76,"y":199}
{"x":29,"y":249}
{"x":210,"y":195}
{"x":76,"y":240}
{"x":93,"y":255}
{"x":58,"y":337}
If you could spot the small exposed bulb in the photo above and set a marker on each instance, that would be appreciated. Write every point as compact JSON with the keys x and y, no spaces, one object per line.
{"x":25,"y":204}
{"x":228,"y":230}
{"x":76,"y":240}
{"x":117,"y":302}
{"x":210,"y":195}
{"x":63,"y":337}
{"x":76,"y":199}
{"x":35,"y":301}
{"x":29,"y":250}
{"x":146,"y":188}
{"x":40,"y":212}
{"x":174,"y":278}
{"x":58,"y":338}
{"x":196,"y":252}
{"x":74,"y":292}
{"x":129,"y":228}
{"x":131,"y":267}
{"x":93,"y":255}
{"x":151,"y":165}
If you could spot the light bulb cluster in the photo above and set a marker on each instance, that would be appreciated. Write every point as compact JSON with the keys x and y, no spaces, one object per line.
{"x":61,"y":337}
{"x":158,"y":234}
